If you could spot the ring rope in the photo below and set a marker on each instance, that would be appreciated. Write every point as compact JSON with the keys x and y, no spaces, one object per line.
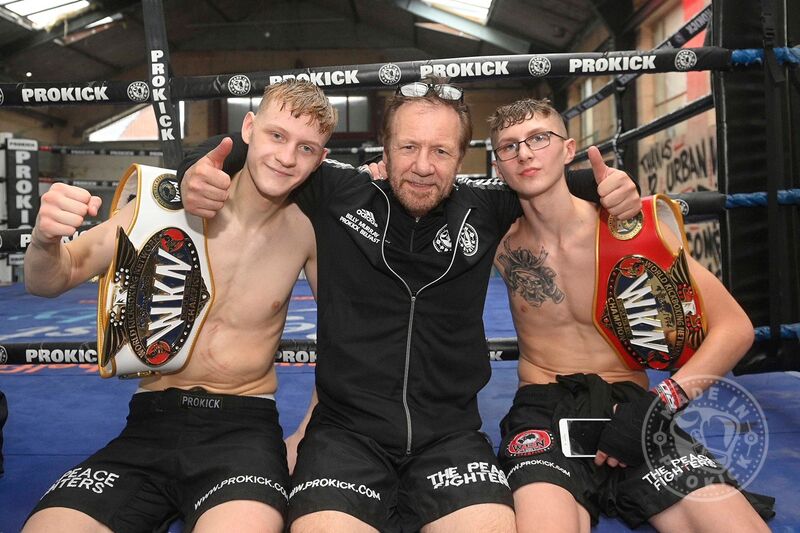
{"x":702,"y":203}
{"x":82,"y":150}
{"x":661,"y":123}
{"x":692,"y":27}
{"x":289,"y":350}
{"x":388,"y":75}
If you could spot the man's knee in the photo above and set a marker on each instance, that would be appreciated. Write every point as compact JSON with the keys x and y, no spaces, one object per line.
{"x":63,"y":519}
{"x":330,"y":521}
{"x":715,"y":507}
{"x":241,"y":515}
{"x":485,"y":517}
{"x":549,"y":507}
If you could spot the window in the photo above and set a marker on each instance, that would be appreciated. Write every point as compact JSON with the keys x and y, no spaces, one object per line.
{"x":670,"y":87}
{"x":353,"y":113}
{"x":588,"y":134}
{"x":476,"y":10}
{"x":137,"y":125}
{"x":38,"y":14}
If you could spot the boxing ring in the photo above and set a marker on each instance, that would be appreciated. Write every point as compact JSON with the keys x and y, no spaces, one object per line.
{"x":60,"y":411}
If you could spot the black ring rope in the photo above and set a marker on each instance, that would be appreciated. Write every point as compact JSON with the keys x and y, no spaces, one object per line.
{"x":388,"y":75}
{"x":289,"y":350}
{"x":693,"y":27}
{"x":695,"y":204}
{"x":665,"y":121}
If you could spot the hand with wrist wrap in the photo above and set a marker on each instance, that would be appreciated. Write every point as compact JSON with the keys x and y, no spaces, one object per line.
{"x":622,"y":438}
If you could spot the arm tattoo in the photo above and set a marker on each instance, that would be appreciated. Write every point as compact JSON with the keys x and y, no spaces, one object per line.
{"x":528,"y":276}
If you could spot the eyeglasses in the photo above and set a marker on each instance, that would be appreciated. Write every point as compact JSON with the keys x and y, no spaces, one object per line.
{"x":537,"y":141}
{"x":418,"y":89}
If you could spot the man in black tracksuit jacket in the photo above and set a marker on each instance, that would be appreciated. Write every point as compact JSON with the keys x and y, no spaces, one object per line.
{"x":395,"y":436}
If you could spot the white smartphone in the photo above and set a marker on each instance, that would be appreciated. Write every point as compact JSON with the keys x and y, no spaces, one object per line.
{"x":579,"y":436}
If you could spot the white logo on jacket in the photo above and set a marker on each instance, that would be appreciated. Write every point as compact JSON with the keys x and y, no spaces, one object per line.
{"x":360,"y":225}
{"x":368,"y":216}
{"x":468,"y":240}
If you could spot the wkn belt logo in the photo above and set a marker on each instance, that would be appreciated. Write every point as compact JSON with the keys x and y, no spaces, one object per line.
{"x":158,"y":294}
{"x":22,"y":185}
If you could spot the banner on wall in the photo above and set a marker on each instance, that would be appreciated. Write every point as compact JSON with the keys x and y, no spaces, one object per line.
{"x":683,"y":159}
{"x":22,"y":182}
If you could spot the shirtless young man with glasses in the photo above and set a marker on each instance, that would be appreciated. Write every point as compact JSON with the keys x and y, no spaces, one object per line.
{"x":394,"y":442}
{"x":567,"y":369}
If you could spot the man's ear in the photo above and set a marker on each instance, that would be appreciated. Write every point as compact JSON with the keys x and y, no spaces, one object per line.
{"x":497,"y":169}
{"x":247,"y":126}
{"x":322,"y":157}
{"x":569,"y":155}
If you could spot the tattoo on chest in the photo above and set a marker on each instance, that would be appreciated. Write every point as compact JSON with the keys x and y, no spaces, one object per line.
{"x":528,"y":276}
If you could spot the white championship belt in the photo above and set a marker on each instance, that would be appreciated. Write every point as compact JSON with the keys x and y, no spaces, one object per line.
{"x":157,"y":291}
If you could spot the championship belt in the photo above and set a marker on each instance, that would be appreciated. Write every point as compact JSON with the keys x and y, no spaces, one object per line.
{"x":646,"y":304}
{"x":158,"y":289}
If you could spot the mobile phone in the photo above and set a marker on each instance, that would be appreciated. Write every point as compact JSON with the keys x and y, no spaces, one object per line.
{"x":579,"y":436}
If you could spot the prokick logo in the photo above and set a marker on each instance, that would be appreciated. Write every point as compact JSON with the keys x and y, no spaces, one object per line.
{"x":65,"y":94}
{"x":612,"y":64}
{"x":729,"y":438}
{"x":465,"y":70}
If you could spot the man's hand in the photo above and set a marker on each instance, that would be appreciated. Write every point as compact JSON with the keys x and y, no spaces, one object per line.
{"x":618,"y":194}
{"x":622,"y":440}
{"x":63,"y":209}
{"x":204,"y":187}
{"x":378,"y":170}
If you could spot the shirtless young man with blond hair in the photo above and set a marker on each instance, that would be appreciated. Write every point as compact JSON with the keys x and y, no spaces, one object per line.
{"x":204,"y":443}
{"x":567,"y":369}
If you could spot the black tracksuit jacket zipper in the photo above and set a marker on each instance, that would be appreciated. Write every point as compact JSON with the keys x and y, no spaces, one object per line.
{"x":413,"y":297}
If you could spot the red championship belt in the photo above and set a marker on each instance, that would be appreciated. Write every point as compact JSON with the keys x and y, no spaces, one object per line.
{"x":645,"y":303}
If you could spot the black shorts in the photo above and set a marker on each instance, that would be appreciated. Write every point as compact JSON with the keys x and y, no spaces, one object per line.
{"x":180,"y":454}
{"x":530,"y":452}
{"x":338,"y":470}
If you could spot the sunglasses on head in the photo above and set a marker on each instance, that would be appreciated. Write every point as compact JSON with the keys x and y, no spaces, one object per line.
{"x":419,"y":89}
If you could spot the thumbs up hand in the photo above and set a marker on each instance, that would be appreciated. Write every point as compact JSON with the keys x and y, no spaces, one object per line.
{"x":205,"y":185}
{"x":618,"y":194}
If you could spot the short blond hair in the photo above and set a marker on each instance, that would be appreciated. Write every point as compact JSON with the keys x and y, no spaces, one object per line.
{"x":518,"y":112}
{"x":302,"y":98}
